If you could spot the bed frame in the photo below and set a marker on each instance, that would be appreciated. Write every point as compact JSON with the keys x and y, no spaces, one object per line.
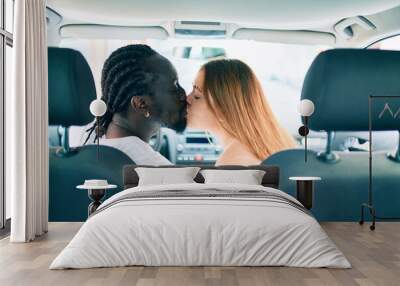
{"x":270,"y":179}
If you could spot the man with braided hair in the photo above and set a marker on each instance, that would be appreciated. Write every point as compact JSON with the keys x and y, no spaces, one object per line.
{"x":142,"y":93}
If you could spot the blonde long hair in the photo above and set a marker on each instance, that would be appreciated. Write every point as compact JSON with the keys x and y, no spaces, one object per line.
{"x":235,"y":96}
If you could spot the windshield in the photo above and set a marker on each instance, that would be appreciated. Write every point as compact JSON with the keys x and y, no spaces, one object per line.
{"x":279,"y":67}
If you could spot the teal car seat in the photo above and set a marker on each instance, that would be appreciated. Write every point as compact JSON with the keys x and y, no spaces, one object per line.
{"x":71,"y":90}
{"x":339,"y":82}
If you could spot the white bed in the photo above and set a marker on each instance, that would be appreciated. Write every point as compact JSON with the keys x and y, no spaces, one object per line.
{"x":184,"y":230}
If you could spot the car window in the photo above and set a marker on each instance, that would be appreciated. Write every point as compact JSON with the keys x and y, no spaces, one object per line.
{"x":392,"y":43}
{"x":383,"y":140}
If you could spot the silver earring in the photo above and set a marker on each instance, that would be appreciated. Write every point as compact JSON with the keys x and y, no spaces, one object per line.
{"x":147,"y":114}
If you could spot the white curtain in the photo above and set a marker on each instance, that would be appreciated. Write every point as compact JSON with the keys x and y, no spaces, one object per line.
{"x":27,"y":120}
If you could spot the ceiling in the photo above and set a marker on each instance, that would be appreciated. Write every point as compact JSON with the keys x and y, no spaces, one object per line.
{"x":309,"y":15}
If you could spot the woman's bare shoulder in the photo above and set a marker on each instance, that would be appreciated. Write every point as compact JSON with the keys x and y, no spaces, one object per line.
{"x":237,"y":154}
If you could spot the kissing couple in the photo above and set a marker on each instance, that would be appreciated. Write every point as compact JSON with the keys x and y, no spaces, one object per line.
{"x":142,"y":92}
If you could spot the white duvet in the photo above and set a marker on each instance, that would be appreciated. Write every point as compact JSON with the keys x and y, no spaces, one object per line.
{"x":200,"y":231}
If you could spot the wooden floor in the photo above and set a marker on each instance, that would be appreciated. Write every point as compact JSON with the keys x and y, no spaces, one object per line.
{"x":375,"y":257}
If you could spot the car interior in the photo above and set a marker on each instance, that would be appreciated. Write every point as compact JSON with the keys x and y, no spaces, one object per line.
{"x":93,"y":31}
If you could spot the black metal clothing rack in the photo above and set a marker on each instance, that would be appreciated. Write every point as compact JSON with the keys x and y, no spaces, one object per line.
{"x":370,"y":205}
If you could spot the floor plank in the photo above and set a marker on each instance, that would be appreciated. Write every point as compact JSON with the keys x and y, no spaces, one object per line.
{"x":375,"y":257}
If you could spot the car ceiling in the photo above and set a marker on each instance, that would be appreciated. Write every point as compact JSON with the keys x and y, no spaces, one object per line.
{"x":311,"y":15}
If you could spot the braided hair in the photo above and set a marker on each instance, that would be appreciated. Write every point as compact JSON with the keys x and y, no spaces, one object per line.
{"x":122,"y":78}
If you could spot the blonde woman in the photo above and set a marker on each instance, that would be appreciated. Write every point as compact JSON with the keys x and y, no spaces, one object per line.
{"x":227,"y":100}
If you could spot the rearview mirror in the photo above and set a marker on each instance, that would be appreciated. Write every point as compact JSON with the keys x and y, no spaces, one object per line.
{"x":200,"y":53}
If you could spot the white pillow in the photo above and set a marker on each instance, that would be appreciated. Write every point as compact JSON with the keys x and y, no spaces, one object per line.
{"x":163,"y":176}
{"x":249,"y":177}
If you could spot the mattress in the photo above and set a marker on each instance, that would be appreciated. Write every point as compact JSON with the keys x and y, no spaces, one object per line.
{"x":201,"y":225}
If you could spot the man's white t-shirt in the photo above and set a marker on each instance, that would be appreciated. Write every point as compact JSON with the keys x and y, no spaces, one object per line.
{"x":138,"y":150}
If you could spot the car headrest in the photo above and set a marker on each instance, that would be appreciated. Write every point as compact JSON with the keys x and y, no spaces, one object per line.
{"x":340,"y":81}
{"x":71,"y":87}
